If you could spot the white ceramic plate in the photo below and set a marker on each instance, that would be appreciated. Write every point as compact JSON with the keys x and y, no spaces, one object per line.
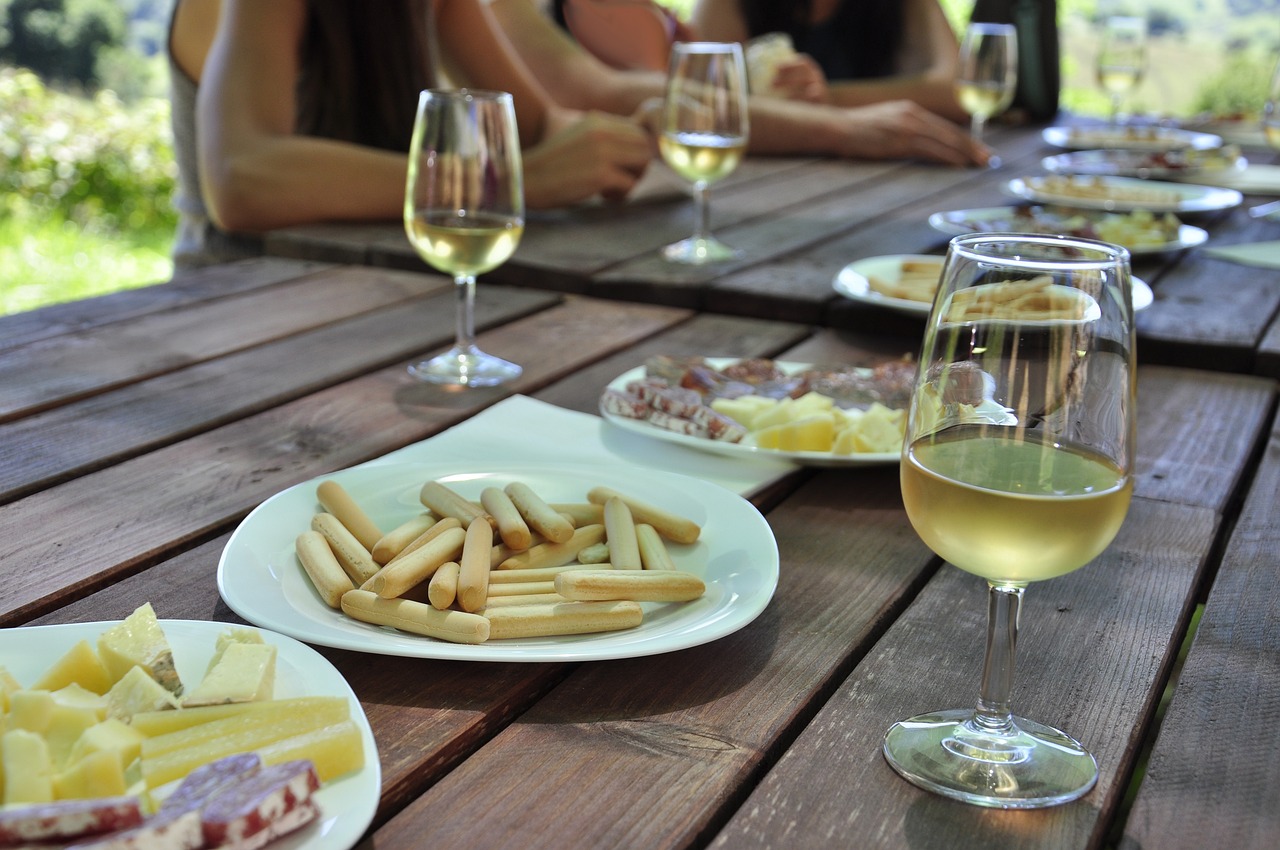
{"x":347,"y":805}
{"x":260,"y":578}
{"x":852,"y":282}
{"x":740,"y":450}
{"x":1128,"y":138}
{"x":1168,"y":197}
{"x":959,"y":222}
{"x":1142,"y":164}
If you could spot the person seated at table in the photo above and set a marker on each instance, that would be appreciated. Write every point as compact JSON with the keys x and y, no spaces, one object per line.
{"x":891,"y":129}
{"x":850,"y":52}
{"x":297,"y":111}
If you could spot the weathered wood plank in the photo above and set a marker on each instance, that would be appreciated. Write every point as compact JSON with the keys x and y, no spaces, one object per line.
{"x":1213,"y":776}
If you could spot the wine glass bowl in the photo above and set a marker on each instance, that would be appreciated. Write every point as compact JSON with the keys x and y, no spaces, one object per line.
{"x":1122,"y":59}
{"x":1016,"y":467}
{"x":464,"y":213}
{"x":704,"y":133}
{"x":987,"y":75}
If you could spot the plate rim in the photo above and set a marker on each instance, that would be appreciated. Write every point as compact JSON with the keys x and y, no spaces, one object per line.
{"x":1189,"y":236}
{"x":1142,"y":292}
{"x":822,"y":459}
{"x":602,"y":646}
{"x":1189,"y":204}
{"x":1050,"y":164}
{"x":1059,"y":136}
{"x":337,"y":829}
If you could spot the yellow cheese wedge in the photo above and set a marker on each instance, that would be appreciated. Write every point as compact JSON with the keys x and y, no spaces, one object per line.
{"x":244,"y":672}
{"x":80,"y":665}
{"x":155,"y":723}
{"x":96,"y":775}
{"x":335,"y":750}
{"x":136,"y":692}
{"x":227,"y":638}
{"x":138,"y":640}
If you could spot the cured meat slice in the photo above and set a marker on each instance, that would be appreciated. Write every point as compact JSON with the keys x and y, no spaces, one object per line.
{"x":676,"y":424}
{"x":272,"y":802}
{"x":67,"y":819}
{"x":626,"y":405}
{"x":677,"y":401}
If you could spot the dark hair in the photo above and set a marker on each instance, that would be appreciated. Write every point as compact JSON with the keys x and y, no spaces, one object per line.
{"x":859,"y":40}
{"x":362,"y":67}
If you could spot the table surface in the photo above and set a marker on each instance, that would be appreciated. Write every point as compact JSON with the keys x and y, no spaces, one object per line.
{"x":798,"y":222}
{"x":141,"y":428}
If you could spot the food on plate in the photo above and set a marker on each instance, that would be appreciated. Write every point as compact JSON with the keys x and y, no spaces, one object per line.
{"x":1092,"y":187}
{"x":811,"y":408}
{"x":1136,"y":229}
{"x":463,"y":585}
{"x":913,"y":280}
{"x":82,"y":767}
{"x":1121,"y":162}
{"x":1036,"y":299}
{"x":338,"y":502}
{"x":1102,"y":137}
{"x":326,"y":574}
{"x":356,"y":561}
{"x":636,"y":585}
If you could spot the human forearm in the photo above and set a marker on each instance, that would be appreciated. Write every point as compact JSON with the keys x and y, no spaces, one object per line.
{"x":935,"y":94}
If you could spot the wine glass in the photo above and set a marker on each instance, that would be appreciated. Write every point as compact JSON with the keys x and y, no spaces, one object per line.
{"x":1122,"y":59}
{"x":1016,"y":467}
{"x":464,"y":213}
{"x":988,"y":72}
{"x":704,"y":133}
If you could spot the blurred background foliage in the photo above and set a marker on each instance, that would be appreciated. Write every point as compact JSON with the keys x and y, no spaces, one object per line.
{"x":86,"y":167}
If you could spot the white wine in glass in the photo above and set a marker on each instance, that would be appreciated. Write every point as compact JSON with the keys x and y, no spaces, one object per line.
{"x":704,"y":133}
{"x":1122,"y":59}
{"x":464,"y":213}
{"x":1017,"y":467}
{"x":987,"y":76}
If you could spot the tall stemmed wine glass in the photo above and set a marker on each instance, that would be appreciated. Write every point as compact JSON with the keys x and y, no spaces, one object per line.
{"x":987,"y":76}
{"x":1122,"y":59}
{"x":704,"y":133}
{"x":464,"y":213}
{"x":1016,"y":467}
{"x":1271,"y":132}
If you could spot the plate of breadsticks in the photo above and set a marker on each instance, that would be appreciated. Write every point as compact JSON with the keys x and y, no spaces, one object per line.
{"x":907,"y":283}
{"x":467,"y":562}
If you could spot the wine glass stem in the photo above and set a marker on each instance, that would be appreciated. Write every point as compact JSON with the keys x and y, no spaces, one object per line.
{"x":1004,"y":604}
{"x":976,"y":125}
{"x":465,"y":289}
{"x":702,"y":215}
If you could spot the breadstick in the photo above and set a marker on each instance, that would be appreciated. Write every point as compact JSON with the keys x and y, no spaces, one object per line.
{"x":512,"y":528}
{"x":413,"y":569}
{"x":620,"y":531}
{"x":555,"y":554}
{"x":426,"y":537}
{"x":473,"y":566}
{"x":442,"y":590}
{"x":597,"y":554}
{"x":653,"y":552}
{"x":561,"y":618}
{"x":580,"y":513}
{"x":326,"y":574}
{"x":638,"y":586}
{"x":338,"y":502}
{"x":522,"y":588}
{"x":521,"y":599}
{"x":415,"y":617}
{"x":355,"y":559}
{"x":669,"y":525}
{"x":393,"y":542}
{"x":540,"y":516}
{"x":537,"y":574}
{"x":445,"y":502}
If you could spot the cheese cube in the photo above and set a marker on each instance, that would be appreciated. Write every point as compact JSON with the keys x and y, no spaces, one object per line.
{"x":28,"y":773}
{"x":744,"y":409}
{"x":30,"y":710}
{"x":109,"y":736}
{"x":244,"y":672}
{"x":96,"y":775}
{"x":227,"y":638}
{"x":138,"y":641}
{"x":8,"y":684}
{"x":67,"y":724}
{"x":811,"y":433}
{"x":136,"y":692}
{"x":79,"y":665}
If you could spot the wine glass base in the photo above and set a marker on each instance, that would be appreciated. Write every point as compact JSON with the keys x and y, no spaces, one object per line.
{"x":697,"y":250}
{"x":1032,"y":767}
{"x":466,"y":368}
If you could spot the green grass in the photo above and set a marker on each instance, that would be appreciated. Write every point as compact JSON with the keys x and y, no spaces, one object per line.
{"x":55,"y":262}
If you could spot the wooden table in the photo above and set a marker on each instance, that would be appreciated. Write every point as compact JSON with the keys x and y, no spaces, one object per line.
{"x":139,"y":429}
{"x":799,"y":222}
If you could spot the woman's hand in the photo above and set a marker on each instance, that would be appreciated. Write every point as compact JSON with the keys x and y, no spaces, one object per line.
{"x":598,"y":154}
{"x":901,"y":129}
{"x":800,"y":78}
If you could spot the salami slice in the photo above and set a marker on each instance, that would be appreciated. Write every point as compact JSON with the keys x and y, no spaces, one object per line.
{"x":67,"y":819}
{"x":275,"y":800}
{"x":623,"y":404}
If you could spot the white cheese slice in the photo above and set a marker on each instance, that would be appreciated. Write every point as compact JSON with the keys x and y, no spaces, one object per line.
{"x":245,"y":672}
{"x":138,"y":640}
{"x":137,"y":692}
